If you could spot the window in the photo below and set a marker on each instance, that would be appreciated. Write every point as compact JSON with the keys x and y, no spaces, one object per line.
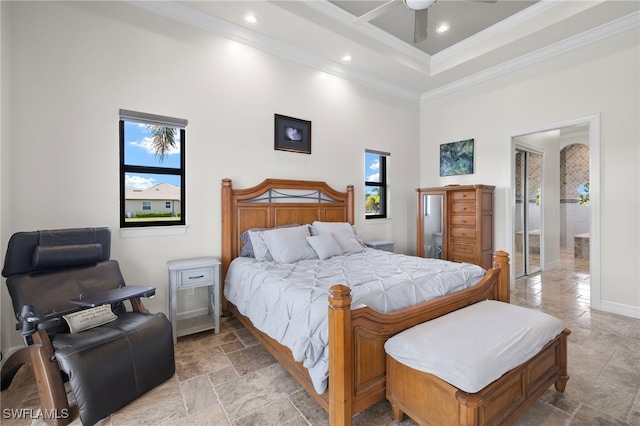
{"x":375,"y":184}
{"x":152,"y":170}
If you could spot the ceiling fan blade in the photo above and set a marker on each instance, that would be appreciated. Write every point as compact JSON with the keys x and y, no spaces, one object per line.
{"x":374,"y":13}
{"x":420,"y":25}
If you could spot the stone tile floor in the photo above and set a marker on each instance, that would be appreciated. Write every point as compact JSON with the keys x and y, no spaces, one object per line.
{"x":229,"y":379}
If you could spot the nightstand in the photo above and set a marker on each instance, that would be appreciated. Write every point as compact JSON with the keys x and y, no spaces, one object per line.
{"x":188,"y":274}
{"x":380,"y":245}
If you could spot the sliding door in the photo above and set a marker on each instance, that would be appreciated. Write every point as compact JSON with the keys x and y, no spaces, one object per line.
{"x":528,"y":212}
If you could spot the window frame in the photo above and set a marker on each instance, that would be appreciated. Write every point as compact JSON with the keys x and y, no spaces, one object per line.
{"x":382,"y":184}
{"x":144,"y":118}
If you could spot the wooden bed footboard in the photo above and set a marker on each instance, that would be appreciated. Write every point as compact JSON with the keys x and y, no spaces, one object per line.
{"x":357,"y":362}
{"x":357,"y":359}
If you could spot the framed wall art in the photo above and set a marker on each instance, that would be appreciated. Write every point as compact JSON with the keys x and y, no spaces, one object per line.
{"x":456,"y":158}
{"x":292,"y":134}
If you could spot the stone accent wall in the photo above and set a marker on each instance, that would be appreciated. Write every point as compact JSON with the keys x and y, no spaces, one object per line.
{"x":574,"y":171}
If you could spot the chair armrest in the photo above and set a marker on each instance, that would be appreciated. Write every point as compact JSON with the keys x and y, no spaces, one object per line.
{"x":114,"y":295}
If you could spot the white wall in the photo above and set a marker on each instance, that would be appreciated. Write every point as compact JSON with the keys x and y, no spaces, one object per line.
{"x":75,"y":64}
{"x":601,"y":78}
{"x":6,"y":311}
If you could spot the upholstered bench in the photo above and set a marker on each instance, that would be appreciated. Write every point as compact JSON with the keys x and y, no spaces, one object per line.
{"x":480,"y":365}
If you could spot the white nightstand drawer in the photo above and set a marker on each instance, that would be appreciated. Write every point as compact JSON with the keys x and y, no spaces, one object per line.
{"x":195,"y":277}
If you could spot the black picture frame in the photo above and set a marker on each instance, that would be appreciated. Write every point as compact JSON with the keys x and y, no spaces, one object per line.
{"x":292,"y":134}
{"x":456,"y":158}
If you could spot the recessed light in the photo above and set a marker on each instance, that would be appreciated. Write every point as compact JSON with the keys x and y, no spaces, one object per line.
{"x":346,"y":58}
{"x":442,"y":28}
{"x":251,"y":19}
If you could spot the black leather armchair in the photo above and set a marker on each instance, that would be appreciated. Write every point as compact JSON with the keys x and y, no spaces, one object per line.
{"x":56,"y":272}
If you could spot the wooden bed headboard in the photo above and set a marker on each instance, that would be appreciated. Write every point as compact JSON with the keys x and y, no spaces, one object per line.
{"x":276,"y":202}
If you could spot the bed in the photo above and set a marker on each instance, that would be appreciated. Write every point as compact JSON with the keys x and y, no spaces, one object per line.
{"x":356,"y":333}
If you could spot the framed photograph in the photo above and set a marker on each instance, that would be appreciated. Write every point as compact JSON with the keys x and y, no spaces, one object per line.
{"x":292,"y":134}
{"x":456,"y":158}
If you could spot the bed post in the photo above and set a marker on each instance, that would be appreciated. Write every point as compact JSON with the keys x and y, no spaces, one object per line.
{"x":501,"y":261}
{"x":350,"y":213}
{"x":227,"y":239}
{"x":340,"y":356}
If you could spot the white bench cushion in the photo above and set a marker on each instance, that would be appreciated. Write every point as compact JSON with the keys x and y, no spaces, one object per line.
{"x":471,"y":347}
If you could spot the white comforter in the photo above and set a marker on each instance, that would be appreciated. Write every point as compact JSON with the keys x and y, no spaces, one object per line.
{"x":289,"y":301}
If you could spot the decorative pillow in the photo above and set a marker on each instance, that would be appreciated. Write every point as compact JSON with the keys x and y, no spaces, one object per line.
{"x":325,"y":246}
{"x":344,"y":233}
{"x":259,"y":247}
{"x":287,"y":245}
{"x":247,"y":245}
{"x":350,"y":245}
{"x":89,"y":318}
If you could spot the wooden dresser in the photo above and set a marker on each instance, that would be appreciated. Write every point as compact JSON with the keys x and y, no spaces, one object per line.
{"x":456,"y":223}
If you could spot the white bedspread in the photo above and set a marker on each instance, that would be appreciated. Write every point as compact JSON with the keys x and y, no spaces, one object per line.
{"x":289,"y":302}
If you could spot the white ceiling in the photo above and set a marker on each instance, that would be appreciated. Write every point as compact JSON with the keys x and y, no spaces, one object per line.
{"x":318,"y":33}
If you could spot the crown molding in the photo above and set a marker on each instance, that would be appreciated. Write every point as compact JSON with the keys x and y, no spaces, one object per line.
{"x":594,"y":35}
{"x":179,"y":12}
{"x":494,"y":31}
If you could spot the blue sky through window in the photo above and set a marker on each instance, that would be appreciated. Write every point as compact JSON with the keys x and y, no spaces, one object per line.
{"x":137,"y":152}
{"x":372,"y":167}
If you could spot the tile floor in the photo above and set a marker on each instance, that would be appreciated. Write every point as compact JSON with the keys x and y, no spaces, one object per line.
{"x":229,"y":379}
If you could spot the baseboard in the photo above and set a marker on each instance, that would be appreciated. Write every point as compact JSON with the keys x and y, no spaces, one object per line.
{"x":552,"y":265}
{"x":620,"y":309}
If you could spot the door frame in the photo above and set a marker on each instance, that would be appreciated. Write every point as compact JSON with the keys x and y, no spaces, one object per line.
{"x":593,"y":123}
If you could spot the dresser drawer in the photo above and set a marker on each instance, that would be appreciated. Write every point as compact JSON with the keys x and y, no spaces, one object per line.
{"x":463,"y":220}
{"x":463,"y":196}
{"x":466,"y":233}
{"x":195,"y":277}
{"x":462,"y":207}
{"x":463,"y":249}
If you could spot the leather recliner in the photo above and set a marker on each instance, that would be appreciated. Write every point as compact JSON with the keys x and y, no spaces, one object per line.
{"x":107,"y":366}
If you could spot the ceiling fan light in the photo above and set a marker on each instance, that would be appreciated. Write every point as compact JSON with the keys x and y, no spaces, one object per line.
{"x":419,"y":4}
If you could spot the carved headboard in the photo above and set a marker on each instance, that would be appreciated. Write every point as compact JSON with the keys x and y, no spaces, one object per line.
{"x":276,"y":202}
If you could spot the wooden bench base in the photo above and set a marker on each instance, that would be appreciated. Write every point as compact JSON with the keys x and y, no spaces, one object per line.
{"x":431,"y":401}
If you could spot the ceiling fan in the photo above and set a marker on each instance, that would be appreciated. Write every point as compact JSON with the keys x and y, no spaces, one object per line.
{"x":420,"y":9}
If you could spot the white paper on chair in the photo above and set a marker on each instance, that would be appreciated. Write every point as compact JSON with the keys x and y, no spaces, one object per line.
{"x":89,"y":318}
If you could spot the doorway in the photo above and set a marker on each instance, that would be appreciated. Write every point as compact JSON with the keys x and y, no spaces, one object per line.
{"x":545,"y":139}
{"x":528,"y":212}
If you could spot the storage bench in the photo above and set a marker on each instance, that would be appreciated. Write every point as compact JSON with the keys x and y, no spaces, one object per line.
{"x":481,"y":365}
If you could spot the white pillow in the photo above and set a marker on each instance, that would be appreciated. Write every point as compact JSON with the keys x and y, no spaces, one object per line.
{"x":287,"y":245}
{"x":344,"y":233}
{"x":350,"y":245}
{"x":325,"y":246}
{"x":260,"y":249}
